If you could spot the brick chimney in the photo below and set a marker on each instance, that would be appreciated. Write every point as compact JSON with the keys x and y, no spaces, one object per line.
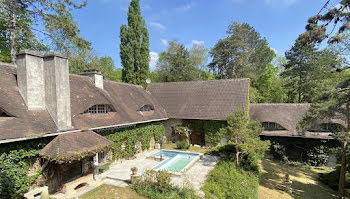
{"x":57,"y":90}
{"x":96,"y":77}
{"x":30,"y":79}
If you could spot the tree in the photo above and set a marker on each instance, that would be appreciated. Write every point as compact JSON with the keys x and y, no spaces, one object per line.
{"x":175,"y":64}
{"x":84,"y":60}
{"x":245,"y":136}
{"x":316,"y":29}
{"x":334,"y":99}
{"x":21,"y":18}
{"x":242,"y":54}
{"x":24,"y":39}
{"x":268,"y":87}
{"x":180,"y":64}
{"x":305,"y":70}
{"x":134,"y":47}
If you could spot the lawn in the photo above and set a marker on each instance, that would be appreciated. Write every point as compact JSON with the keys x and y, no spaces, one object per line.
{"x":110,"y":192}
{"x":305,"y":183}
{"x":172,"y":146}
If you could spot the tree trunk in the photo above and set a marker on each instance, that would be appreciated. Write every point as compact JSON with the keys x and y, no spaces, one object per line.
{"x":342,"y":172}
{"x":237,"y":152}
{"x":12,"y":35}
{"x":299,"y":89}
{"x":343,"y":157}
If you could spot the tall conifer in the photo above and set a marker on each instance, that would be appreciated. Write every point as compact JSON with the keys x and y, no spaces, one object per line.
{"x":134,"y":47}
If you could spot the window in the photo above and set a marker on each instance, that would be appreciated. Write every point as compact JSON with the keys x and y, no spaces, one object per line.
{"x":271,"y":126}
{"x":146,"y":108}
{"x":4,"y":114}
{"x":99,"y":109}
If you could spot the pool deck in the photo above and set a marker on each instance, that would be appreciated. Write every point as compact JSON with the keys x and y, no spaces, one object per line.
{"x":119,"y":172}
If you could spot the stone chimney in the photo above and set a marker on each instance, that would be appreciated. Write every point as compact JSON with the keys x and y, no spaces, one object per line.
{"x":30,"y":79}
{"x":57,"y":90}
{"x":96,"y":77}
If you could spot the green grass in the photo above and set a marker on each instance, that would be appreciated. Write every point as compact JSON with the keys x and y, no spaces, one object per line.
{"x":111,"y":192}
{"x":305,"y":182}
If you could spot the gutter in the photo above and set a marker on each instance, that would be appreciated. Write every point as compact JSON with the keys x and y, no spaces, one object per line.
{"x":79,"y":130}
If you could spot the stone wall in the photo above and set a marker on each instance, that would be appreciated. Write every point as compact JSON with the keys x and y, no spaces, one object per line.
{"x":168,"y":125}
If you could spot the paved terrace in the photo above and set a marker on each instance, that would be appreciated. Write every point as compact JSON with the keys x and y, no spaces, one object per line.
{"x":119,"y":172}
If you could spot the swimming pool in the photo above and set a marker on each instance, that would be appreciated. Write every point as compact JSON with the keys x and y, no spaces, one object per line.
{"x":176,"y":161}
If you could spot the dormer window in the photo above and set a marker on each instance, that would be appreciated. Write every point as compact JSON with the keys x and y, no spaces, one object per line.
{"x":146,"y":108}
{"x":271,"y":126}
{"x":100,"y":109}
{"x":4,"y":113}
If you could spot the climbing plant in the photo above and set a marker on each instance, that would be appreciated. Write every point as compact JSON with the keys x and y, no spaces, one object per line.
{"x":211,"y":129}
{"x":14,"y":166}
{"x":130,"y":136}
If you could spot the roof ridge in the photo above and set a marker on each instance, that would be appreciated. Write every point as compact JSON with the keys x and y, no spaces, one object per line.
{"x":197,"y":81}
{"x":124,"y":83}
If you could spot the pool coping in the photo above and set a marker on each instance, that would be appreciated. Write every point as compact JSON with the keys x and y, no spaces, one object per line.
{"x":186,"y":168}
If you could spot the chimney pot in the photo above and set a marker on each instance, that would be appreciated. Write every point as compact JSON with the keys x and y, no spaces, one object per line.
{"x":96,"y":76}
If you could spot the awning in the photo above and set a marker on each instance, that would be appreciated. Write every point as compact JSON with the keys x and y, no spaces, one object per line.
{"x":75,"y":146}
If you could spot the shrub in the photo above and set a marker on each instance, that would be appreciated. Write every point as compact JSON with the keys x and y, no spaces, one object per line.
{"x":225,"y":181}
{"x":157,"y":185}
{"x":182,"y":144}
{"x":227,"y":153}
{"x":332,"y":179}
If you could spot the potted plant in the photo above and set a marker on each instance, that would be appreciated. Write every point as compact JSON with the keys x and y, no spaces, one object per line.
{"x":134,"y":170}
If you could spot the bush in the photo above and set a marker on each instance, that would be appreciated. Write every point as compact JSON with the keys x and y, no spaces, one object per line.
{"x":182,"y":144}
{"x":225,"y":181}
{"x":227,"y":153}
{"x":332,"y":179}
{"x":157,"y":185}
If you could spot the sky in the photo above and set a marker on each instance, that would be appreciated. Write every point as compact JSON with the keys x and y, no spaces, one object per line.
{"x":194,"y":21}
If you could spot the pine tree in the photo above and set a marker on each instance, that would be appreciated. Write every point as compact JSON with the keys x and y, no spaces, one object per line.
{"x":134,"y":47}
{"x":19,"y":19}
{"x":305,"y":71}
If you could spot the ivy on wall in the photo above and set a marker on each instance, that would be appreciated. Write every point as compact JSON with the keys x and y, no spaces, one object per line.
{"x":14,"y":166}
{"x":210,"y":128}
{"x":130,"y":136}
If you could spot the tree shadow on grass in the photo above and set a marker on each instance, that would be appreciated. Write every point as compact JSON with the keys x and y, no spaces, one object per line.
{"x":312,"y":191}
{"x":305,"y":183}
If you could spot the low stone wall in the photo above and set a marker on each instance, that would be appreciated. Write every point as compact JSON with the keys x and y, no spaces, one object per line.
{"x":43,"y":192}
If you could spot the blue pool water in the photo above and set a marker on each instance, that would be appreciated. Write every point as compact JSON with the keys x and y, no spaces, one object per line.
{"x":176,"y":161}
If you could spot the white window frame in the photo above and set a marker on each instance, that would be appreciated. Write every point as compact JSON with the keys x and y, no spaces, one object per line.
{"x":99,"y":109}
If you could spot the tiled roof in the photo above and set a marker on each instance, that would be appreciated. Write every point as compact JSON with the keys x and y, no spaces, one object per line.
{"x":207,"y":100}
{"x":286,"y":115}
{"x":24,"y":123}
{"x":75,"y":146}
{"x":126,"y":99}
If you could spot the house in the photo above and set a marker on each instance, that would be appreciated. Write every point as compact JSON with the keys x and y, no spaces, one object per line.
{"x":40,"y":99}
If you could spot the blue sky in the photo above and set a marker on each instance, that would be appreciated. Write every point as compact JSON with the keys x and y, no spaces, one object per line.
{"x":194,"y":21}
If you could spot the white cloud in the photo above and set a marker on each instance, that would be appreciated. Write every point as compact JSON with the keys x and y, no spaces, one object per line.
{"x":196,"y":42}
{"x":153,"y":60}
{"x":186,"y":6}
{"x":157,"y":25}
{"x":164,"y":42}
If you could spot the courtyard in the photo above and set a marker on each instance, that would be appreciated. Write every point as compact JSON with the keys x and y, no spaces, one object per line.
{"x":119,"y":172}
